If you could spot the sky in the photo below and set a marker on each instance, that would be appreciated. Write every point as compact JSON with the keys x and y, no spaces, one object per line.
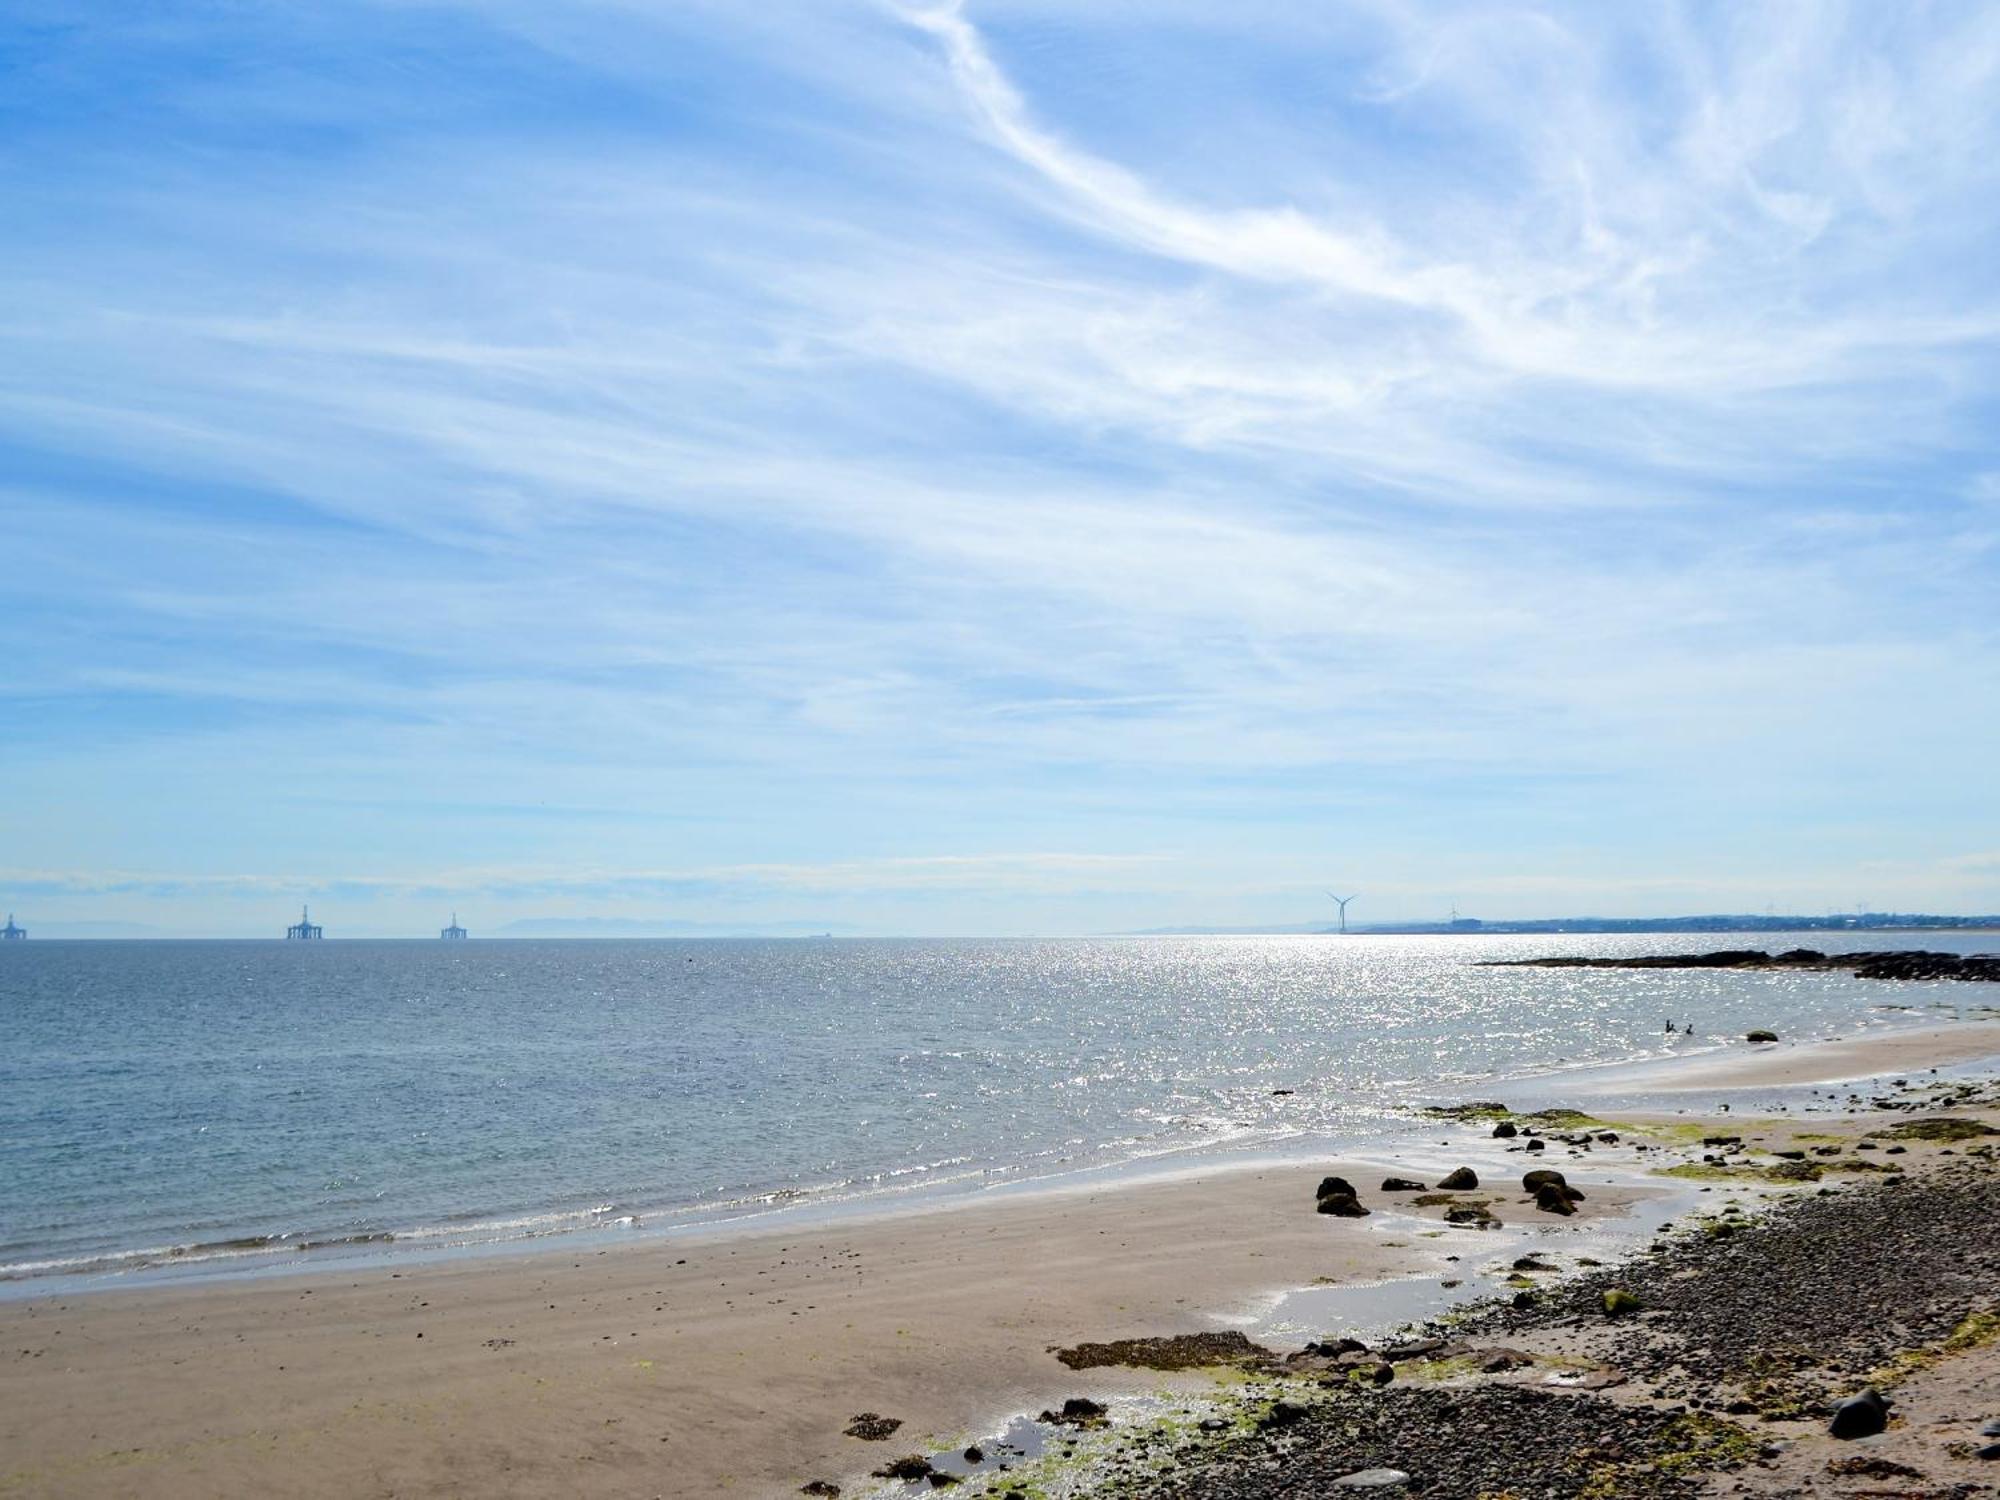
{"x":998,"y":467}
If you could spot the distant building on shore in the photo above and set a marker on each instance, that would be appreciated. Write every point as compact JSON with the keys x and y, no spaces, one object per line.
{"x":453,"y":933}
{"x":305,"y":929}
{"x":10,"y":932}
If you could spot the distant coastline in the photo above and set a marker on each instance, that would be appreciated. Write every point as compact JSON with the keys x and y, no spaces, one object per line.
{"x":1716,"y":922}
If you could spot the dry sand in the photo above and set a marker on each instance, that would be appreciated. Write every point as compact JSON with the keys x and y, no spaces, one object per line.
{"x":713,"y":1365}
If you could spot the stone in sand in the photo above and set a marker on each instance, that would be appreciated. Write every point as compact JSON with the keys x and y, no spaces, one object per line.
{"x":1078,"y":1411}
{"x":1536,"y":1145}
{"x":1328,"y":1186}
{"x":1860,"y":1416}
{"x":1532,"y":1182}
{"x":1760,"y":1036}
{"x":1506,"y":1130}
{"x":1459,"y":1180}
{"x":1402,"y":1185}
{"x":1619,"y":1303}
{"x":1343,"y":1205}
{"x":1551,"y":1199}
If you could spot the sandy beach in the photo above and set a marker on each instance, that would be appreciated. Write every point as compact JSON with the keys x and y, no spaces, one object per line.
{"x":730,"y":1363}
{"x":1774,"y":1065}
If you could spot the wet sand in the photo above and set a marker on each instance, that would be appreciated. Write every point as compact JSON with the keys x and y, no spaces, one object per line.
{"x":724,"y":1365}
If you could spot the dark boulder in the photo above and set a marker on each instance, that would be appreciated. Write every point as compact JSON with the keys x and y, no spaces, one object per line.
{"x":1459,"y":1179}
{"x":1551,"y":1199}
{"x":1760,"y":1036}
{"x":1536,"y":1145}
{"x":1283,"y":1414}
{"x":1860,"y":1416}
{"x":1402,"y":1185}
{"x":1331,"y":1185}
{"x":1533,"y":1181}
{"x":1342,"y":1205}
{"x":1334,"y":1348}
{"x":1470,"y":1213}
{"x":1506,"y":1130}
{"x":1078,"y":1411}
{"x":1416,"y":1349}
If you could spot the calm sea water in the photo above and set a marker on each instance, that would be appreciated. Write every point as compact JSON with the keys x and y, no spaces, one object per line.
{"x":175,"y":1101}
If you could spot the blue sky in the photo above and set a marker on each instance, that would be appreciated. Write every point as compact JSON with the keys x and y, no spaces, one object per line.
{"x":1005,"y":467}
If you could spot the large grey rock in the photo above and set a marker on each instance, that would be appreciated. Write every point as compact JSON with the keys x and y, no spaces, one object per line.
{"x":1372,"y":1479}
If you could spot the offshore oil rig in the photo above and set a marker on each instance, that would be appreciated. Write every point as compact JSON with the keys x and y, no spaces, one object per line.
{"x":453,"y":933}
{"x":10,"y":932}
{"x":305,"y":929}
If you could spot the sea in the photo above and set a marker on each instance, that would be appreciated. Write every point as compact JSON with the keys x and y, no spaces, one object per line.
{"x":201,"y":1108}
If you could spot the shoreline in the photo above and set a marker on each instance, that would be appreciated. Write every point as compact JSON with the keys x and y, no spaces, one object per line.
{"x":1717,"y":1065}
{"x":730,"y":1363}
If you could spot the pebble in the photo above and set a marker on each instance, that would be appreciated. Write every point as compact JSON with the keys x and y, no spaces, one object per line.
{"x":1372,"y":1479}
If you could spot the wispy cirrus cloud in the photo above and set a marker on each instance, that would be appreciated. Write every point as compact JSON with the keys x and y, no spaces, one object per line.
{"x":842,"y":433}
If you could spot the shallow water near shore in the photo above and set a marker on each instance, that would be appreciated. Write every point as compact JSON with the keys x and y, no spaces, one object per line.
{"x":226,"y":1105}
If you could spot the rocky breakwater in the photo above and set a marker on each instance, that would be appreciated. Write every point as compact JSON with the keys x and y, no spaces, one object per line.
{"x":1906,"y":963}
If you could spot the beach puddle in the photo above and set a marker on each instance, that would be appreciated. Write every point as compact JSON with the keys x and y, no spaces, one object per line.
{"x":1371,"y":1309}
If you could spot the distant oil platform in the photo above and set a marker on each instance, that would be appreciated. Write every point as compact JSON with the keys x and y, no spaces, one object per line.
{"x":305,"y":929}
{"x":12,"y":933}
{"x":453,"y":933}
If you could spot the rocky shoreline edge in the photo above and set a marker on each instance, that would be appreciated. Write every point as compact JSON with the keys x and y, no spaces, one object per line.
{"x":1722,"y":1358}
{"x":1899,"y":963}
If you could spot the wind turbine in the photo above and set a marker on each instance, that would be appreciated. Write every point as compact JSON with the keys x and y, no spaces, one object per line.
{"x":1341,"y":902}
